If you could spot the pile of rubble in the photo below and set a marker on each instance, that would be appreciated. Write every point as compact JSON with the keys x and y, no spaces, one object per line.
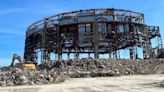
{"x":17,"y":76}
{"x":58,"y":71}
{"x":102,"y":67}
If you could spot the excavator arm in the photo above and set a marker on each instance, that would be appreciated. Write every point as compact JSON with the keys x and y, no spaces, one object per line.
{"x":16,"y":57}
{"x":23,"y":64}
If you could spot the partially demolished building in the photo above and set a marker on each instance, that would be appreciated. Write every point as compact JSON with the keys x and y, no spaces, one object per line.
{"x":92,"y":31}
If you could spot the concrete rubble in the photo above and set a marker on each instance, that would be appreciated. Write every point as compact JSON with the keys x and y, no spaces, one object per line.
{"x":59,"y":71}
{"x":23,"y":77}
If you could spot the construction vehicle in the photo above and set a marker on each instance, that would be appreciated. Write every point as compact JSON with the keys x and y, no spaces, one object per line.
{"x":23,"y":64}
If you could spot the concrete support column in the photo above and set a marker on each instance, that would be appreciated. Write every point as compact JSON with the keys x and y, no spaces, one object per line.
{"x":131,"y":53}
{"x":89,"y":54}
{"x":56,"y":56}
{"x":68,"y":55}
{"x":136,"y":51}
{"x":144,"y":53}
{"x":109,"y":54}
{"x":76,"y":53}
{"x":118,"y":54}
{"x":114,"y":54}
{"x":95,"y":31}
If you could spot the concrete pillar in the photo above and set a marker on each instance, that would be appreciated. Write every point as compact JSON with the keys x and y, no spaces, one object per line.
{"x":68,"y":55}
{"x":136,"y":51}
{"x":131,"y":53}
{"x":89,"y":54}
{"x":95,"y":31}
{"x":114,"y":54}
{"x":109,"y":54}
{"x":76,"y":53}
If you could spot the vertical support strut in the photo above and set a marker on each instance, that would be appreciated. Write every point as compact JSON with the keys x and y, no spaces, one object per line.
{"x":115,"y":54}
{"x":136,"y":51}
{"x":76,"y":53}
{"x":147,"y":51}
{"x":95,"y":31}
{"x":96,"y":53}
{"x":42,"y":56}
{"x":160,"y":45}
{"x":89,"y":55}
{"x":68,"y":56}
{"x":109,"y":54}
{"x":131,"y":53}
{"x":35,"y":57}
{"x":58,"y":44}
{"x":118,"y":54}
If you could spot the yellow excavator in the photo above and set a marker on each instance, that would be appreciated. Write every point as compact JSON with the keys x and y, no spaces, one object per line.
{"x":23,"y":64}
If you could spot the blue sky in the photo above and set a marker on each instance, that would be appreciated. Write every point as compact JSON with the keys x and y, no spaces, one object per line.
{"x":17,"y":15}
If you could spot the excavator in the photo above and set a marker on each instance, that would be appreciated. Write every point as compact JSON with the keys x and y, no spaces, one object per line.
{"x":23,"y":64}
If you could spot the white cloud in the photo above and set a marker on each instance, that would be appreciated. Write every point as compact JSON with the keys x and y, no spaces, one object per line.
{"x":46,"y":8}
{"x":12,"y":32}
{"x":12,"y":10}
{"x":31,"y":8}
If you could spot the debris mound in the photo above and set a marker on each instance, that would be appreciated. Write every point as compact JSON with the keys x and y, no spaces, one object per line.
{"x":59,"y":71}
{"x":103,"y":67}
{"x":17,"y":76}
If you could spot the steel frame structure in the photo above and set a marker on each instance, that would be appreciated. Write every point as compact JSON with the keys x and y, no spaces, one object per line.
{"x":98,"y":31}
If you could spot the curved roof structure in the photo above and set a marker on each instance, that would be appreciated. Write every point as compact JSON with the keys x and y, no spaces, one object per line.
{"x":89,"y":15}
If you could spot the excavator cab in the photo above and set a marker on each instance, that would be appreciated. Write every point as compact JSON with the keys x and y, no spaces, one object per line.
{"x":23,"y":64}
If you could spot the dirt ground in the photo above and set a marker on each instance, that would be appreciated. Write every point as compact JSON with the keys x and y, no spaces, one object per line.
{"x":133,"y":83}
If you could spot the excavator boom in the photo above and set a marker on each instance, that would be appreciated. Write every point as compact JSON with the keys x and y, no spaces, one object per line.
{"x":22,"y":63}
